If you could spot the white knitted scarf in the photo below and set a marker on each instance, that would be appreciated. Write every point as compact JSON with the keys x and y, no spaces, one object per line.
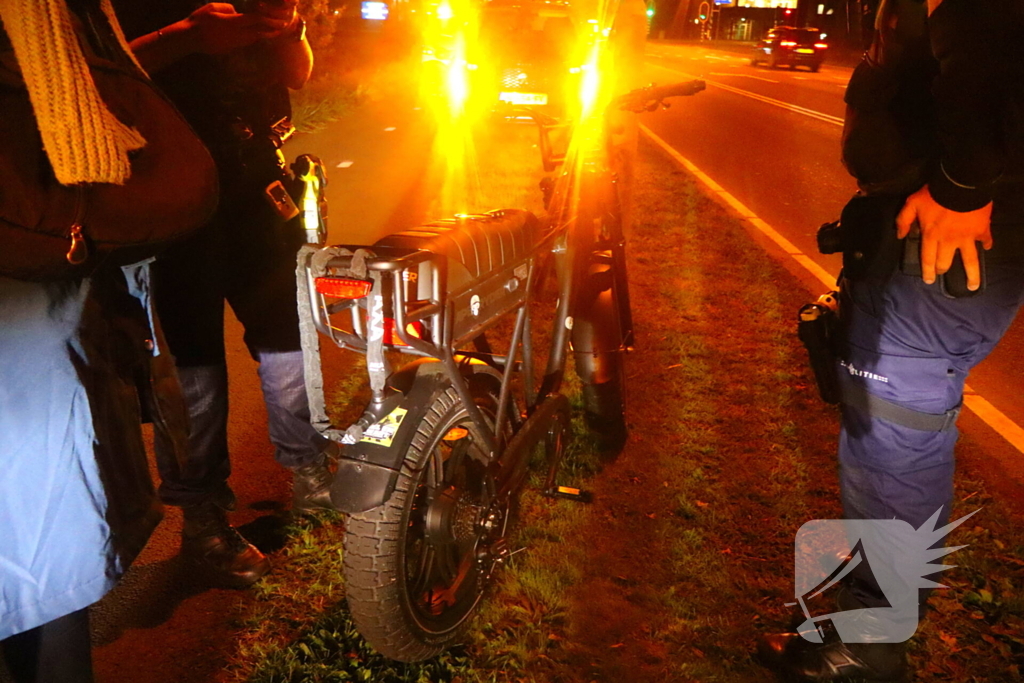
{"x":83,"y":140}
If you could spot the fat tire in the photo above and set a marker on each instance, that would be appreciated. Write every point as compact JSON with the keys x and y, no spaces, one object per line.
{"x":375,"y":542}
{"x":604,"y":403}
{"x":598,"y":323}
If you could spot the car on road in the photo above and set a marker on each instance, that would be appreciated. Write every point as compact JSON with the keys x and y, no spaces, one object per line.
{"x":525,"y":54}
{"x":792,"y":47}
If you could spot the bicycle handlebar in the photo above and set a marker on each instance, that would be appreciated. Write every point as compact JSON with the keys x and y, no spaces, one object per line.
{"x":649,"y":98}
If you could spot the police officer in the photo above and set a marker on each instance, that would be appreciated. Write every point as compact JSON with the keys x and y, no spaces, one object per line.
{"x":909,"y":346}
{"x":228,"y":68}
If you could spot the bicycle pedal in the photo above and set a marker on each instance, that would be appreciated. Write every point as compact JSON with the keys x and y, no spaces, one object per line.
{"x":570,"y":493}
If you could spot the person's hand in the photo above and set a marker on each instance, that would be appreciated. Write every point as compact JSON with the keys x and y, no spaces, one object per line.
{"x":218,"y":29}
{"x":278,"y":15}
{"x":943,"y":232}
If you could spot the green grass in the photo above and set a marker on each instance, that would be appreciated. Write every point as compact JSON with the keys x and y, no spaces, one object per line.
{"x":685,"y":556}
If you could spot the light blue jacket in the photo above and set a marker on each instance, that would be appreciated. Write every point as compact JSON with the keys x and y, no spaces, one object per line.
{"x":76,"y":503}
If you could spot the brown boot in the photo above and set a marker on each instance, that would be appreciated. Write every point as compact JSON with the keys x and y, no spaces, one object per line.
{"x":311,"y":484}
{"x":218,"y":549}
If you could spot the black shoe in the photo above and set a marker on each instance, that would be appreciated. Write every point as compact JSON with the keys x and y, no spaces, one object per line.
{"x":218,"y":550}
{"x":798,"y":659}
{"x":311,"y":484}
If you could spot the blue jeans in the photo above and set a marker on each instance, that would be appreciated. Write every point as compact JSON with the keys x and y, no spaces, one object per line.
{"x":245,"y":258}
{"x":205,"y":473}
{"x":909,"y":344}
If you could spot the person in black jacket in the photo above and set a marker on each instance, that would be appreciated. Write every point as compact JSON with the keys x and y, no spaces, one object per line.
{"x":908,"y":346}
{"x":230,"y":72}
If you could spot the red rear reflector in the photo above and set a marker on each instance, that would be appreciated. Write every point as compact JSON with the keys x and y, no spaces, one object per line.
{"x":343,"y":288}
{"x":821,"y":46}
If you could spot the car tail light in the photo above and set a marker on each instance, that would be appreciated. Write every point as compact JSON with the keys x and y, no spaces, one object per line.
{"x":787,"y":43}
{"x":343,"y":287}
{"x":821,"y":46}
{"x":392,"y":338}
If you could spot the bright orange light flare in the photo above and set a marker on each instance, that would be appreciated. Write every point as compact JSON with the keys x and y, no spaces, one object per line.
{"x":610,"y":55}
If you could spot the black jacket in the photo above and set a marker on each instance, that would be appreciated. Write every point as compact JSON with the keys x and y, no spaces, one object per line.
{"x":979,"y":106}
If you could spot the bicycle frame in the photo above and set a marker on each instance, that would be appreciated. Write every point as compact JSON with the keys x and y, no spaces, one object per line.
{"x":430,"y":471}
{"x":407,"y":279}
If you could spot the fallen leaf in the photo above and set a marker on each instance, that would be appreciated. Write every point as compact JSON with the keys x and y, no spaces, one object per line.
{"x":949,"y":640}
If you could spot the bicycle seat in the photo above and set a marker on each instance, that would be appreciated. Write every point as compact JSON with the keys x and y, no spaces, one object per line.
{"x":475,"y":245}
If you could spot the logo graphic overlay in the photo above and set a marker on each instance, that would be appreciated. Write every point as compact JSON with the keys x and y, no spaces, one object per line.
{"x":887,"y":554}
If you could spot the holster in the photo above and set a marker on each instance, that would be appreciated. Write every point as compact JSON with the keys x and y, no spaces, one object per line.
{"x":870,"y":247}
{"x":818,"y":329}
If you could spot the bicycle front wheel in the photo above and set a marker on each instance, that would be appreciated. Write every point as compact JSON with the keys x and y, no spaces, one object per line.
{"x":599,"y":346}
{"x":602,"y":331}
{"x":417,"y":566}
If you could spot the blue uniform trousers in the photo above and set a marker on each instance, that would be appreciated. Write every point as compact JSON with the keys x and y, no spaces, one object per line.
{"x":911,"y":345}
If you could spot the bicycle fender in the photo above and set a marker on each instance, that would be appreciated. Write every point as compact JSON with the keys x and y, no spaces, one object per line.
{"x":368,"y":469}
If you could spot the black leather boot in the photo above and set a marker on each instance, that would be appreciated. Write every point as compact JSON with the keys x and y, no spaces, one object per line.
{"x":217,"y":548}
{"x":797,"y":659}
{"x":311,"y":484}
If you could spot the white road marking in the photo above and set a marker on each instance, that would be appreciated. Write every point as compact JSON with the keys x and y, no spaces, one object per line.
{"x":978,"y":404}
{"x":827,"y":118}
{"x":760,"y":78}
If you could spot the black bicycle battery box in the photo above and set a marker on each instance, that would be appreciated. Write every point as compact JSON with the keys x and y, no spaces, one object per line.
{"x":952,"y":283}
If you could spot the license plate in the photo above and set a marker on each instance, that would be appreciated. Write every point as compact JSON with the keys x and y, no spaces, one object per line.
{"x":524,"y":98}
{"x":805,"y":51}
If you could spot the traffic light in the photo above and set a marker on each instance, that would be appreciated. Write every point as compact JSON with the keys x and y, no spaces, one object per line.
{"x":788,"y":13}
{"x":650,"y":12}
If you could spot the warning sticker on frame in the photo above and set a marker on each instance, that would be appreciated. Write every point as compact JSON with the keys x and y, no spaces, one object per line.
{"x":383,"y":432}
